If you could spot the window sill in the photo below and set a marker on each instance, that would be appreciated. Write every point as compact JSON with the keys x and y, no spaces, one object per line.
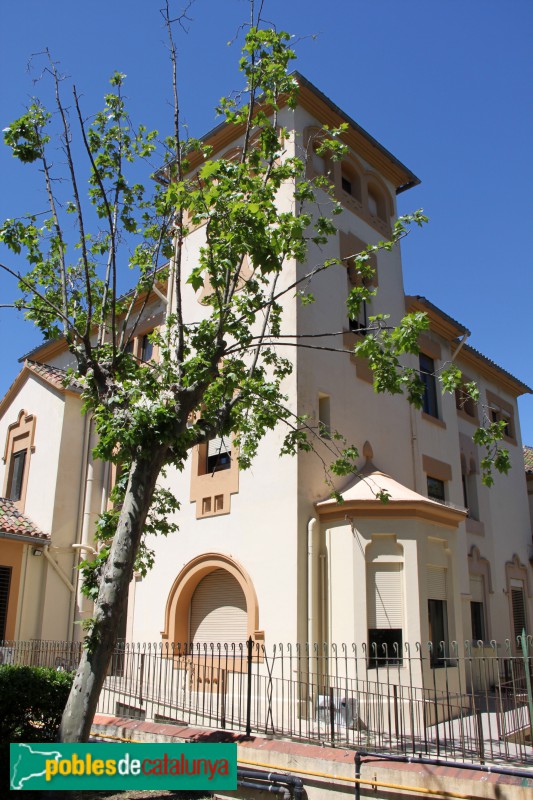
{"x":434,"y":420}
{"x":467,"y":418}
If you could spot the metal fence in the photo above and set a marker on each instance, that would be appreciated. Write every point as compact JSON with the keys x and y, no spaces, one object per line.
{"x":469,"y":703}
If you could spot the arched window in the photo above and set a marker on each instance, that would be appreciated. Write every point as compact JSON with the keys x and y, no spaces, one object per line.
{"x":376,"y":203}
{"x":212,"y":600}
{"x":218,"y":610}
{"x":17,"y":453}
{"x":350,"y":181}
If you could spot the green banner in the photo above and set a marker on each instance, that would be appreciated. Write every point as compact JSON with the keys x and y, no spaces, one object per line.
{"x":105,"y":765}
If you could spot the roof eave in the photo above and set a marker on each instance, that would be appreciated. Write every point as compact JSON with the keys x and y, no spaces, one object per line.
{"x":426,"y":510}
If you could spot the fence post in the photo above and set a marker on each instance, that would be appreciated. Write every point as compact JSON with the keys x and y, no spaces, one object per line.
{"x":481,"y":745}
{"x":332,"y":714}
{"x":396,"y":725}
{"x":249,"y":644}
{"x":524,"y":644}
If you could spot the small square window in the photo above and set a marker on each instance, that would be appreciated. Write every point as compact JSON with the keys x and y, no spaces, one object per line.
{"x":436,"y":490}
{"x":385,"y":647}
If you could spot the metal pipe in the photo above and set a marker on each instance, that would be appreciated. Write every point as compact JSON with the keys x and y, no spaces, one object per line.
{"x":323,"y":632}
{"x":265,"y":787}
{"x":358,"y":781}
{"x":57,"y":568}
{"x":357,"y":776}
{"x":295,"y":783}
{"x":461,"y":343}
{"x":311,"y":525}
{"x":274,"y":777}
{"x":439,"y":762}
{"x":79,"y":520}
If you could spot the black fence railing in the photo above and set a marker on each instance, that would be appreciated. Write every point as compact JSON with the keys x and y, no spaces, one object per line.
{"x":469,"y":703}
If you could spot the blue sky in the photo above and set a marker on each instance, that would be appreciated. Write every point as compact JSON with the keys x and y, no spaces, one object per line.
{"x":445,"y":85}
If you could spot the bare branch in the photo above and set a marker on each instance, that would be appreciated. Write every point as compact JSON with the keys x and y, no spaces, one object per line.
{"x":79,"y":215}
{"x":67,"y":324}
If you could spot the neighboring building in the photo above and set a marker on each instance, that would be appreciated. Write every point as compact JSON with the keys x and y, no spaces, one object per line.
{"x":265,"y":552}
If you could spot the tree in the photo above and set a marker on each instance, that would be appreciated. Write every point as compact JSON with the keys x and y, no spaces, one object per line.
{"x":218,"y":376}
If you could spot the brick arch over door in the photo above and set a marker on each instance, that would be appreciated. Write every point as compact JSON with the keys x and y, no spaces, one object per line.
{"x":178,"y":607}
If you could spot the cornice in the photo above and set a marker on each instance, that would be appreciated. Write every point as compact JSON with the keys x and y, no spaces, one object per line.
{"x":397,"y":509}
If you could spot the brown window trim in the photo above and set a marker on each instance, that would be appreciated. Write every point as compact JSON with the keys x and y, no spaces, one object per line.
{"x":20,"y":437}
{"x":498,"y":404}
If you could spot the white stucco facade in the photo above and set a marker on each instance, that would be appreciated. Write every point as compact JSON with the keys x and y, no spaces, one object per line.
{"x":307,"y":568}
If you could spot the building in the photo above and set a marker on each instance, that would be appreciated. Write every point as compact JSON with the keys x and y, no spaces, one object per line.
{"x":265,"y":553}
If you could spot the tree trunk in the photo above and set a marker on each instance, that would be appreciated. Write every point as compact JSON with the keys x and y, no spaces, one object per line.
{"x":83,"y":699}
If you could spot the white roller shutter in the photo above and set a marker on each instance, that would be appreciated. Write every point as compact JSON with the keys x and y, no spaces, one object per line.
{"x":218,"y":610}
{"x":437,"y":583}
{"x":217,"y":446}
{"x":385,"y":596}
{"x":476,"y":589}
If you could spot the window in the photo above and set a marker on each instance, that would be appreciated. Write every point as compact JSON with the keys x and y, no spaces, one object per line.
{"x":437,"y":588}
{"x":18,"y":461}
{"x":497,"y":415}
{"x":470,"y":496}
{"x":385,"y":613}
{"x":385,"y":647}
{"x":324,"y":422}
{"x":218,"y":454}
{"x":17,"y":453}
{"x":519,"y":610}
{"x":5,"y":582}
{"x":438,"y":630}
{"x":502,"y":411}
{"x":477,"y":614}
{"x":376,"y":204}
{"x":464,"y":403}
{"x":359,"y":324}
{"x":218,"y":611}
{"x":147,"y":348}
{"x":427,"y":376}
{"x":477,"y":608}
{"x":436,"y":490}
{"x":350,"y":181}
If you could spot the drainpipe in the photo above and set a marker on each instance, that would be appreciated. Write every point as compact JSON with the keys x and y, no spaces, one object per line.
{"x":57,"y":569}
{"x":323,"y":632}
{"x":311,"y":582}
{"x":22,"y":592}
{"x":92,"y":475}
{"x":461,"y":343}
{"x":415,"y":455}
{"x":441,"y":762}
{"x":87,"y":424}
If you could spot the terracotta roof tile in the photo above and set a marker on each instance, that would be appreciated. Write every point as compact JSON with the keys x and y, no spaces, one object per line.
{"x":13,"y":521}
{"x":528,"y":459}
{"x":54,"y":375}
